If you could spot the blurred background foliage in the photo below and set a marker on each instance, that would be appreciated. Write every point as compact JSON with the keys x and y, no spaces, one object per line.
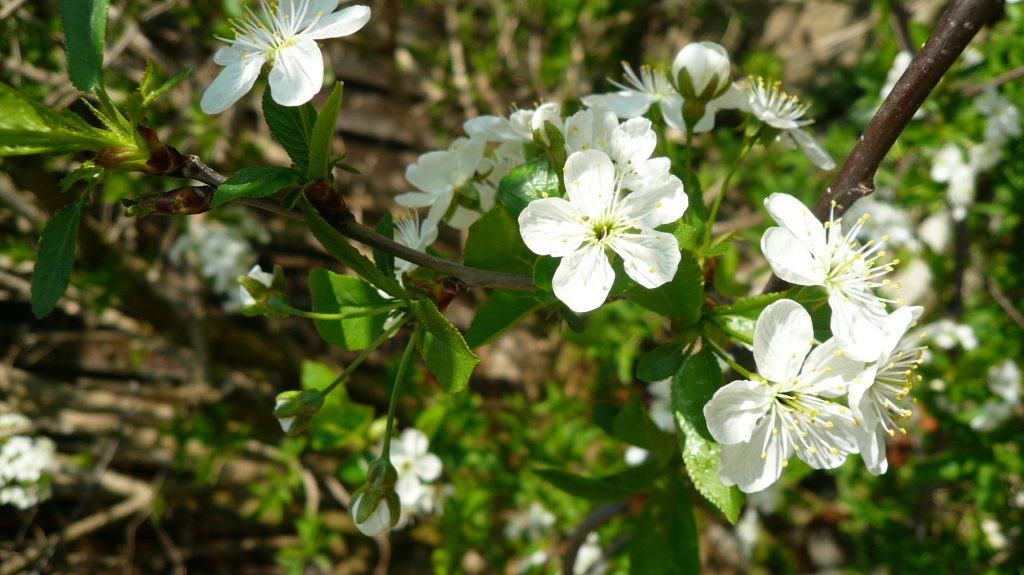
{"x":147,"y":372}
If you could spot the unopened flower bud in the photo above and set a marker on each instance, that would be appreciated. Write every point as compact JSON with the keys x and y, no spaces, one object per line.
{"x":148,"y":155}
{"x":186,"y":201}
{"x":376,"y":507}
{"x":257,"y":288}
{"x":295,"y":409}
{"x":701,"y":71}
{"x":324,"y":196}
{"x":546,"y":127}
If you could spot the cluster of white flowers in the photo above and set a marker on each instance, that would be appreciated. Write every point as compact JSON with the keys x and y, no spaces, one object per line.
{"x":417,"y":469}
{"x":792,"y":404}
{"x":219,"y":252}
{"x":1004,"y":382}
{"x":26,"y":465}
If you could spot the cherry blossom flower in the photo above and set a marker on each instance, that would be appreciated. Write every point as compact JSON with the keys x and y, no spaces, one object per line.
{"x":949,"y":167}
{"x":440,"y":175}
{"x":244,"y":297}
{"x":877,"y":394}
{"x":1004,"y":381}
{"x":1003,"y":118}
{"x":762,"y":422}
{"x":784,"y":112}
{"x":804,"y":252}
{"x":415,"y":233}
{"x":597,"y":215}
{"x":534,"y":522}
{"x":284,"y":36}
{"x":650,"y":87}
{"x":415,"y":465}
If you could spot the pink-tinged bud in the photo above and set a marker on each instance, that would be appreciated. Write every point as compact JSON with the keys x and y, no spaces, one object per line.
{"x":324,"y":197}
{"x":186,"y":201}
{"x":149,"y":155}
{"x":450,"y":288}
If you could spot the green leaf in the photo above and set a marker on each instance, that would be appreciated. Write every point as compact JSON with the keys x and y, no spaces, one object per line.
{"x":683,"y":233}
{"x":683,"y":297}
{"x":255,"y":182}
{"x":336,"y":293}
{"x":323,"y":136}
{"x":341,"y":423}
{"x":750,"y":307}
{"x":633,"y":425}
{"x":694,"y":385}
{"x":28,"y":127}
{"x":385,"y":261}
{"x":499,"y":313}
{"x":661,"y":362}
{"x":287,"y":127}
{"x":85,"y":24}
{"x":494,"y":243}
{"x":443,"y":349}
{"x":526,"y":183}
{"x":614,"y":487}
{"x":664,"y":541}
{"x":338,"y":246}
{"x":56,"y":256}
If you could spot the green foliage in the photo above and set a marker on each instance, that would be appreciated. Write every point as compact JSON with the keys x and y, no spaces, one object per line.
{"x":56,"y":256}
{"x":682,"y":297}
{"x":291,"y":127}
{"x":336,"y":294}
{"x":665,"y":539}
{"x":500,"y":312}
{"x":385,"y":261}
{"x":613,"y":487}
{"x":494,"y":243}
{"x":255,"y":182}
{"x":531,"y":181}
{"x":322,"y":136}
{"x":444,"y":350}
{"x":27,"y":127}
{"x":85,"y":25}
{"x":341,"y":423}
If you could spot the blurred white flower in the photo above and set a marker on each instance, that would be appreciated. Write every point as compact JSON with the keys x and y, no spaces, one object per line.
{"x":994,"y":534}
{"x":245,"y":299}
{"x":899,"y":65}
{"x":1004,"y":381}
{"x":784,"y":112}
{"x":535,"y":559}
{"x":660,"y":409}
{"x":535,"y":521}
{"x":885,"y":218}
{"x":635,"y":455}
{"x":284,"y":36}
{"x":597,"y":216}
{"x":761,"y":423}
{"x":27,"y":465}
{"x":415,"y":465}
{"x":947,"y":334}
{"x":588,"y":557}
{"x":219,"y":252}
{"x":1003,"y":118}
{"x":748,"y":530}
{"x":803,"y":251}
{"x":948,"y":167}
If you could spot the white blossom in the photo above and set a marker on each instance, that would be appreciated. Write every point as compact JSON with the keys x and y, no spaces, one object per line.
{"x":761,"y":423}
{"x":27,"y":465}
{"x":885,"y":218}
{"x":994,"y":534}
{"x":588,"y":557}
{"x":805,"y":252}
{"x":1002,"y":117}
{"x":265,"y":278}
{"x":660,"y":409}
{"x":784,"y":112}
{"x":284,"y":36}
{"x":596,"y":215}
{"x":440,"y":175}
{"x":1004,"y":381}
{"x":948,"y":167}
{"x":415,"y":233}
{"x":415,"y":465}
{"x":379,"y":520}
{"x":650,"y":87}
{"x":877,"y":394}
{"x":947,"y":334}
{"x":534,"y":522}
{"x":635,"y":456}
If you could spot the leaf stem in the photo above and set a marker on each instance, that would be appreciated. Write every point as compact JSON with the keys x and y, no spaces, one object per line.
{"x":366,"y":353}
{"x":748,"y":143}
{"x":279,"y":305}
{"x":735,"y":366}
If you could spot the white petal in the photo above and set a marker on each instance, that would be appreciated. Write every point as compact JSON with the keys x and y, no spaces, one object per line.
{"x":414,"y":442}
{"x":655,"y":204}
{"x":828,"y":375}
{"x":584,"y":278}
{"x":378,"y":522}
{"x":858,"y":396}
{"x":231,"y":84}
{"x":794,"y":216}
{"x":492,"y":128}
{"x":463,"y":218}
{"x":431,"y":172}
{"x":650,"y":257}
{"x":735,"y":409}
{"x":855,"y":329}
{"x":409,"y":488}
{"x":706,"y":122}
{"x":633,"y":141}
{"x":424,"y":200}
{"x":790,"y":259}
{"x":298,"y":73}
{"x":548,"y":227}
{"x":895,"y":327}
{"x":428,"y":467}
{"x":672,"y":112}
{"x":814,"y":152}
{"x":342,"y":23}
{"x":782,"y":338}
{"x":590,"y":182}
{"x":625,"y":103}
{"x":871,"y":443}
{"x":228,"y":55}
{"x":733,"y":99}
{"x":741,"y":464}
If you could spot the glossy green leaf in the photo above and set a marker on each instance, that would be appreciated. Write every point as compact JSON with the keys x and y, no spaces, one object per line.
{"x":335,"y":293}
{"x":602,"y":489}
{"x":661,"y":362}
{"x":443,"y":348}
{"x":683,"y":297}
{"x":287,"y":127}
{"x":28,"y":127}
{"x":255,"y":182}
{"x":322,"y":138}
{"x":526,"y":183}
{"x":85,"y":25}
{"x":56,"y":255}
{"x":338,"y":246}
{"x":500,"y":312}
{"x":494,"y":244}
{"x":665,"y":541}
{"x":694,"y":385}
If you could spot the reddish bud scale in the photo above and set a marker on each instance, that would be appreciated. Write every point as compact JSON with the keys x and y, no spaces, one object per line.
{"x":161,"y":159}
{"x":450,"y":288}
{"x":324,"y":197}
{"x":186,"y":201}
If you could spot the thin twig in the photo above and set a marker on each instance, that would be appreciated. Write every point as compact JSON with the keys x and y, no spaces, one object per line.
{"x":899,"y":17}
{"x":1000,"y":297}
{"x":994,"y":82}
{"x":856,"y":179}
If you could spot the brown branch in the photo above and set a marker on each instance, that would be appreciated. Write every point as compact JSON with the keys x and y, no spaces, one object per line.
{"x":347,"y":226}
{"x":856,"y":178}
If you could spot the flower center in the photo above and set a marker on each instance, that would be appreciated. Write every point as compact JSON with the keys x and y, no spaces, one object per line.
{"x":770,"y":102}
{"x":853,"y":269}
{"x":277,"y":28}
